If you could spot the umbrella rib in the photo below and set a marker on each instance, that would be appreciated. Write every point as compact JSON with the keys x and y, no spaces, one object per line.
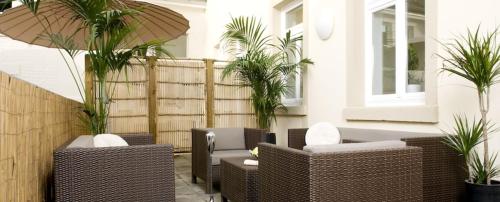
{"x":29,"y":12}
{"x":158,"y":10}
{"x":49,"y":27}
{"x":172,"y":35}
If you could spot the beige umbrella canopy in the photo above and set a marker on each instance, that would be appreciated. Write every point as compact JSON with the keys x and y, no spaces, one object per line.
{"x":153,"y":23}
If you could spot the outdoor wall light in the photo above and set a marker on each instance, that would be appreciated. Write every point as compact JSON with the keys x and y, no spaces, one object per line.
{"x":324,"y":23}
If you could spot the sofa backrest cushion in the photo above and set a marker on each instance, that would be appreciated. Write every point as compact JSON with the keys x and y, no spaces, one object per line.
{"x":348,"y":147}
{"x":229,"y":138}
{"x":82,"y":141}
{"x":362,"y":134}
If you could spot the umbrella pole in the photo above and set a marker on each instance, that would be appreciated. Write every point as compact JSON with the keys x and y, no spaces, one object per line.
{"x":211,"y":146}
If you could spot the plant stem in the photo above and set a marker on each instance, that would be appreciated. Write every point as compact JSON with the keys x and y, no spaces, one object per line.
{"x":483,"y":107}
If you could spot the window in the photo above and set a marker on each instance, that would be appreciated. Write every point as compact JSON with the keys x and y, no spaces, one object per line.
{"x":178,"y":47}
{"x":395,"y":52}
{"x":291,"y":21}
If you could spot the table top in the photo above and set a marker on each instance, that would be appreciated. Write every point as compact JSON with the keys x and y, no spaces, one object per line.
{"x":238,"y":162}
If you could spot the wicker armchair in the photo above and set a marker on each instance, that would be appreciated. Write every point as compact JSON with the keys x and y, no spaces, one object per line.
{"x":201,"y":158}
{"x":139,"y":172}
{"x":287,"y":174}
{"x":443,"y":172}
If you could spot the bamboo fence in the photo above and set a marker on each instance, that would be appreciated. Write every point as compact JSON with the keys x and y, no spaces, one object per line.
{"x":33,"y":122}
{"x":170,"y":97}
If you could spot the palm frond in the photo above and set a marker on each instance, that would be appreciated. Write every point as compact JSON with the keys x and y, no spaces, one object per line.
{"x":261,"y":65}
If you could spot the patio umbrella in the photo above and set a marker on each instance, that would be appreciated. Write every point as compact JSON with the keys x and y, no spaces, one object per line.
{"x":153,"y":23}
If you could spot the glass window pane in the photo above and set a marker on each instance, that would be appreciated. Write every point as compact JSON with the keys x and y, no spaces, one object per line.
{"x":293,"y":81}
{"x":177,"y":47}
{"x":384,"y":51}
{"x":416,"y":45}
{"x":293,"y":17}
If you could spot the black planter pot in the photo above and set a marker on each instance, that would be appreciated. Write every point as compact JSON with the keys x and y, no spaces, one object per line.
{"x":271,"y":138}
{"x":481,"y":192}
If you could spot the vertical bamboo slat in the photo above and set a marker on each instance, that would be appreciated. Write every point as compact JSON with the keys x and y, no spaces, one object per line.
{"x":33,"y":122}
{"x":152,"y":97}
{"x":209,"y":86}
{"x":89,"y":81}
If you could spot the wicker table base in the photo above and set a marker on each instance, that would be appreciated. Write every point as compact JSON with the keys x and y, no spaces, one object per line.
{"x":238,"y":182}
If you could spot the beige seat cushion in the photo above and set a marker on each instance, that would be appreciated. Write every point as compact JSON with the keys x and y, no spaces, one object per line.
{"x":218,"y":155}
{"x":82,"y":141}
{"x":229,"y":138}
{"x":391,"y":144}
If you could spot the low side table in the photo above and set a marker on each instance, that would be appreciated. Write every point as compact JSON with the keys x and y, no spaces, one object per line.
{"x":238,"y":181}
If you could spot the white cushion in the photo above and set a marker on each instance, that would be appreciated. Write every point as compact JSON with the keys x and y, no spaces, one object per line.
{"x":229,"y":138}
{"x":390,"y":144}
{"x":109,"y":140}
{"x":82,"y":141}
{"x":322,"y":134}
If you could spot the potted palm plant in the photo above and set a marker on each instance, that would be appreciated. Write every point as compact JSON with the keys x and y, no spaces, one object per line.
{"x":261,"y":64}
{"x":415,"y":76}
{"x":476,"y":58}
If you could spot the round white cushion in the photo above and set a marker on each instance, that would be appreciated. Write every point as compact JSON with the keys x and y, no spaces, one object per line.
{"x":109,"y":140}
{"x":322,"y":133}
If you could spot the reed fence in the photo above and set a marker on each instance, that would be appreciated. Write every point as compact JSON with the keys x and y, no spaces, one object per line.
{"x":170,"y":97}
{"x":33,"y":122}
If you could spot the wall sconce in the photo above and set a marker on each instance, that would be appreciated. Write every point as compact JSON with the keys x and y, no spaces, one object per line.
{"x":324,"y":23}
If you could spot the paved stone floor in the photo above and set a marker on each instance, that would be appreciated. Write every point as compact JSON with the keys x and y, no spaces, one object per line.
{"x":185,"y":191}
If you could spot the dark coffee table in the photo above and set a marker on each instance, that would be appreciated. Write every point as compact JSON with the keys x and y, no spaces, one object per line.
{"x":238,"y":181}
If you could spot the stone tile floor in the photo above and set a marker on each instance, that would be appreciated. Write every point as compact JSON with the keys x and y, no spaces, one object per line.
{"x":185,"y":191}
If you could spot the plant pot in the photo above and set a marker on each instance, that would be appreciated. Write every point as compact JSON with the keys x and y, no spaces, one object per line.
{"x":271,"y":138}
{"x":414,"y":88}
{"x":482,"y":192}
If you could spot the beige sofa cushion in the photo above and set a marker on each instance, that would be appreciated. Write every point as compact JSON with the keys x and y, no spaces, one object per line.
{"x":218,"y":155}
{"x":82,"y":141}
{"x":348,"y":147}
{"x":229,"y":138}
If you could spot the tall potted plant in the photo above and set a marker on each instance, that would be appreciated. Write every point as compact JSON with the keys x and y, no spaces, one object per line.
{"x":106,"y":42}
{"x":476,"y":58}
{"x":261,"y":64}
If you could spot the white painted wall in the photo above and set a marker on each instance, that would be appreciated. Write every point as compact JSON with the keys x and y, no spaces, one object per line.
{"x":219,"y":13}
{"x":41,"y":66}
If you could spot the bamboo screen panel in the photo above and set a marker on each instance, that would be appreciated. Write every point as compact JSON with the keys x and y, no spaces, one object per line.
{"x":129,"y":107}
{"x":33,"y":123}
{"x":181,"y":101}
{"x":232,"y":101}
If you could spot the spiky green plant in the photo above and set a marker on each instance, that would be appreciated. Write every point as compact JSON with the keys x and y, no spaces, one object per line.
{"x":476,"y":58}
{"x":261,"y":64}
{"x":464,"y":138}
{"x":480,"y":172}
{"x":107,"y":47}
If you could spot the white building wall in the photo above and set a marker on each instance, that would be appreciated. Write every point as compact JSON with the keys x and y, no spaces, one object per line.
{"x":41,"y":66}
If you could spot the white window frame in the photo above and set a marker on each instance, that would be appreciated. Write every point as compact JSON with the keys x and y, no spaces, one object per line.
{"x":296,"y":30}
{"x":401,"y":97}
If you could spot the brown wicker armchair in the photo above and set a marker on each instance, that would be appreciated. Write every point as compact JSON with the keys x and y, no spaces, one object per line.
{"x":235,"y":143}
{"x":287,"y":174}
{"x":443,"y":172}
{"x":139,"y":172}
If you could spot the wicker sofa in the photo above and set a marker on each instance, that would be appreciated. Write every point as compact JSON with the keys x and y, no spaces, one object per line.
{"x":142,"y":171}
{"x":443,"y":172}
{"x":287,"y":174}
{"x":229,"y":142}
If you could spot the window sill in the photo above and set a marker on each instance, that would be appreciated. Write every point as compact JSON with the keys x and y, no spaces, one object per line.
{"x":417,"y":114}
